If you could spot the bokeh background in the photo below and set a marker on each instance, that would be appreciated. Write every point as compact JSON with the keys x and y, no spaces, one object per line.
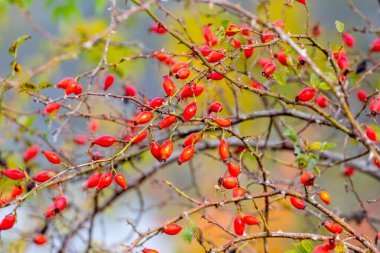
{"x":70,"y":22}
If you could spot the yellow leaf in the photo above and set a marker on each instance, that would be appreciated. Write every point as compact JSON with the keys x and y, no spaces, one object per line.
{"x":315,"y":146}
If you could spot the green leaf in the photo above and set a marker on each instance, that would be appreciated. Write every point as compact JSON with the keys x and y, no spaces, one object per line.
{"x":331,"y":76}
{"x":279,"y":78}
{"x":27,"y":121}
{"x":291,"y":134}
{"x":44,"y":85}
{"x":339,"y":25}
{"x":221,"y":33}
{"x":187,"y":235}
{"x":327,"y":145}
{"x":16,"y":44}
{"x":314,"y":80}
{"x":324,"y":86}
{"x":100,"y":5}
{"x":25,"y":87}
{"x":225,"y":23}
{"x":317,"y":171}
{"x":307,"y":245}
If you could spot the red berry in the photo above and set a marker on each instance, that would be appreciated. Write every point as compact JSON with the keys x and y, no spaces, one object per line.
{"x":65,"y":82}
{"x":301,"y":60}
{"x":322,"y":101}
{"x":348,"y":39}
{"x":269,"y":69}
{"x":215,"y":76}
{"x":178,"y":66}
{"x":93,"y":180}
{"x":16,"y":191}
{"x":297,"y":202}
{"x":251,"y":220}
{"x":307,"y":178}
{"x":325,"y":197}
{"x":52,"y":157}
{"x":40,"y":239}
{"x":374,"y":105}
{"x":105,"y":181}
{"x":52,"y":107}
{"x":233,"y":169}
{"x":51,"y":211}
{"x":239,"y":225}
{"x":376,"y":162}
{"x":157,"y":28}
{"x":80,"y":140}
{"x":279,"y":24}
{"x":172,"y":229}
{"x":43,"y":176}
{"x":130,"y":91}
{"x":349,"y":171}
{"x":60,"y":202}
{"x":155,"y":150}
{"x":70,"y":88}
{"x":166,"y":150}
{"x":267,"y":37}
{"x":183,"y":73}
{"x":302,"y":1}
{"x":161,"y":56}
{"x":108,"y":81}
{"x":167,"y":121}
{"x":13,"y":174}
{"x":343,"y":62}
{"x":248,"y":52}
{"x":143,"y":117}
{"x":96,"y":156}
{"x":168,"y":86}
{"x":321,"y":249}
{"x":192,"y":139}
{"x":282,"y":58}
{"x":215,"y":56}
{"x":205,"y":50}
{"x":139,"y":138}
{"x":186,"y":154}
{"x":120,"y":180}
{"x":207,"y":34}
{"x":104,"y":141}
{"x":189,"y":111}
{"x":256,"y":85}
{"x":333,"y":227}
{"x":371,"y":134}
{"x":30,"y":153}
{"x":245,"y":30}
{"x":223,"y":150}
{"x":223,"y":122}
{"x":93,"y":126}
{"x":192,"y":90}
{"x":305,"y":95}
{"x":149,"y":251}
{"x":215,"y":107}
{"x":78,"y":89}
{"x":228,"y":182}
{"x":156,"y":102}
{"x":238,"y":192}
{"x":375,"y":46}
{"x":362,"y":95}
{"x":236,"y":43}
{"x":7,"y":222}
{"x":232,"y":30}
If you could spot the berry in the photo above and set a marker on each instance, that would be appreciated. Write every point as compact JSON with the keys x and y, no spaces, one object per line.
{"x":192,"y":139}
{"x":362,"y":95}
{"x":157,"y":28}
{"x":233,"y":169}
{"x":223,"y":122}
{"x":30,"y":153}
{"x":120,"y":180}
{"x":52,"y":157}
{"x":155,"y":150}
{"x":189,"y":111}
{"x":66,"y":82}
{"x":282,"y":58}
{"x":269,"y":69}
{"x":232,"y":30}
{"x":186,"y":154}
{"x":105,"y":181}
{"x":236,"y":43}
{"x":251,"y":220}
{"x":371,"y":134}
{"x":143,"y":117}
{"x":130,"y":91}
{"x":104,"y":141}
{"x":204,"y":50}
{"x":333,"y":227}
{"x":7,"y":222}
{"x":228,"y":182}
{"x":267,"y":37}
{"x":43,"y":176}
{"x":93,"y":180}
{"x":191,"y":90}
{"x":178,"y":66}
{"x":168,"y":86}
{"x":302,"y":1}
{"x":167,"y":121}
{"x":166,"y":150}
{"x":297,"y":202}
{"x":40,"y":239}
{"x":60,"y":202}
{"x":306,"y":95}
{"x":108,"y":81}
{"x":307,"y":178}
{"x":182,"y":73}
{"x":52,"y":107}
{"x":348,"y":39}
{"x":78,"y":89}
{"x":215,"y":107}
{"x":374,"y":105}
{"x":138,"y":139}
{"x":80,"y":140}
{"x":13,"y":174}
{"x":349,"y":171}
{"x":172,"y":229}
{"x":375,"y":46}
{"x":215,"y":76}
{"x":343,"y":62}
{"x":301,"y":60}
{"x":223,"y":150}
{"x":207,"y":34}
{"x":239,"y":225}
{"x":322,"y":101}
{"x":156,"y":102}
{"x":93,"y":126}
{"x":215,"y":56}
{"x":248,"y":52}
{"x":238,"y":192}
{"x":325,"y":197}
{"x":146,"y":250}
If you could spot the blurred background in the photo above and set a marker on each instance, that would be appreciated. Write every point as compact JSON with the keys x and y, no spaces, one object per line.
{"x":57,"y":27}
